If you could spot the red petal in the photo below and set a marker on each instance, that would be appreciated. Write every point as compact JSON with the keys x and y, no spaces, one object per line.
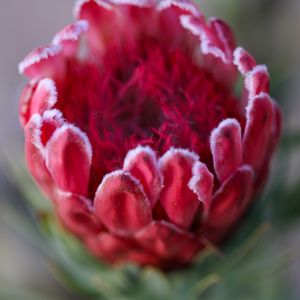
{"x":178,"y":200}
{"x":257,"y":81}
{"x":35,"y":155}
{"x":68,"y":158}
{"x":202,"y":184}
{"x":164,"y":239}
{"x":181,"y":6}
{"x":243,"y":60}
{"x":43,"y":62}
{"x":121,"y":204}
{"x":258,"y":130}
{"x":44,"y":97}
{"x":25,"y":100}
{"x":229,"y":203}
{"x":225,"y":36}
{"x":69,"y":37}
{"x":76,"y":215}
{"x":226,"y":148}
{"x":141,"y":163}
{"x":115,"y":249}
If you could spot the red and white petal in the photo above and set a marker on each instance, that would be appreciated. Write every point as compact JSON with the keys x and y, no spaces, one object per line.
{"x":178,"y":200}
{"x":243,"y":60}
{"x":226,"y":148}
{"x":225,"y":36}
{"x":43,"y":62}
{"x":257,"y":81}
{"x":184,"y":6}
{"x":202,"y":184}
{"x":68,"y":158}
{"x":121,"y":204}
{"x":229,"y":203}
{"x":142,"y":164}
{"x":69,"y":37}
{"x":164,"y":239}
{"x":35,"y":155}
{"x":44,"y":97}
{"x":75,"y":213}
{"x":260,"y":116}
{"x":25,"y":100}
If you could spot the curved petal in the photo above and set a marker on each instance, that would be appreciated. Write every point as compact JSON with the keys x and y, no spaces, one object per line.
{"x":243,"y":60}
{"x":43,"y":62}
{"x":121,"y":204}
{"x":178,"y":200}
{"x":229,"y":203}
{"x":202,"y":184}
{"x":68,"y":158}
{"x":165,"y":239}
{"x":75,"y":213}
{"x":115,"y":249}
{"x":142,"y":164}
{"x":25,"y":100}
{"x":258,"y":130}
{"x":226,"y":148}
{"x":69,"y":37}
{"x":257,"y":81}
{"x":35,"y":153}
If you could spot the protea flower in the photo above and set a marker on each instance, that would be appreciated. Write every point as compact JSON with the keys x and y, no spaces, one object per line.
{"x":135,"y":131}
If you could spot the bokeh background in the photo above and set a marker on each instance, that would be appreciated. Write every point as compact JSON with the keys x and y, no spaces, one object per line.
{"x":269,"y":29}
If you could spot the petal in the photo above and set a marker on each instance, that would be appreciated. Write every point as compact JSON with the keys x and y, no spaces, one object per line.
{"x":182,"y":6}
{"x":35,"y":155}
{"x":115,"y":249}
{"x":142,"y":164}
{"x":226,"y":148}
{"x":257,"y":81}
{"x":258,"y":130}
{"x":42,"y":62}
{"x":178,"y":200}
{"x":68,"y":158}
{"x":243,"y":60}
{"x":164,"y":239}
{"x":225,"y":36}
{"x":25,"y":100}
{"x":76,"y":215}
{"x":69,"y":37}
{"x":121,"y":204}
{"x":229,"y":203}
{"x":202,"y":184}
{"x":44,"y":97}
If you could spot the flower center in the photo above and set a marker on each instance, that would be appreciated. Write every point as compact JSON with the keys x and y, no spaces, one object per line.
{"x":144,"y":94}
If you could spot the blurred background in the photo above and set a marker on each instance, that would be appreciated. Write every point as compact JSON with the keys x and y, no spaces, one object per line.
{"x":269,"y":29}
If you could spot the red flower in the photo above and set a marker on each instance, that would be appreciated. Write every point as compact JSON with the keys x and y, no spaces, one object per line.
{"x":134,"y":130}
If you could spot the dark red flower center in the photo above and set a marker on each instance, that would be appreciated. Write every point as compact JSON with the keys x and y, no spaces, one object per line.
{"x":144,"y":93}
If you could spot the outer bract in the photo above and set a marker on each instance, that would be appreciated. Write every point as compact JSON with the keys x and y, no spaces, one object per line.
{"x":134,"y":131}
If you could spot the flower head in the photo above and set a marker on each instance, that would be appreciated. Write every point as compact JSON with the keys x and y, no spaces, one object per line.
{"x":135,"y":132}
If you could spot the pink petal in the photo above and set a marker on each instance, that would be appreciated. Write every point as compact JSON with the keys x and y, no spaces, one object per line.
{"x":178,"y":200}
{"x":115,"y":249}
{"x":164,"y":239}
{"x":229,"y":203}
{"x":69,"y":37}
{"x":225,"y":36}
{"x":68,"y":158}
{"x":202,"y":184}
{"x":257,"y":81}
{"x":226,"y":148}
{"x":76,"y":215}
{"x":243,"y":60}
{"x":35,"y":156}
{"x":25,"y":100}
{"x":258,"y":129}
{"x":43,"y":62}
{"x":121,"y":204}
{"x":141,"y":163}
{"x":182,"y":7}
{"x":44,"y":97}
